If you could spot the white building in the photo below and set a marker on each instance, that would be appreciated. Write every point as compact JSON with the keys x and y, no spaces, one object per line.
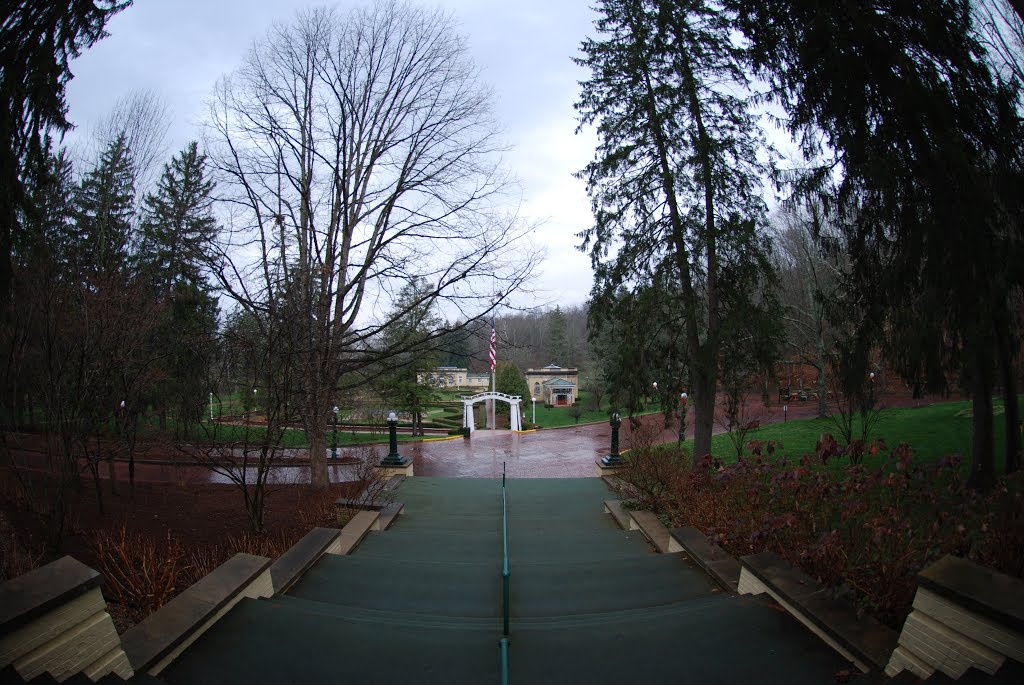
{"x":453,"y":377}
{"x":554,"y":385}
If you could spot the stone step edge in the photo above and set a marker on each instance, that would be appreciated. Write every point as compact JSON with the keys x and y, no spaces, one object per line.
{"x":54,"y":620}
{"x":715,"y":561}
{"x":866,"y":642}
{"x":155,"y":642}
{"x":646,"y":522}
{"x":291,"y":565}
{"x":388,"y":510}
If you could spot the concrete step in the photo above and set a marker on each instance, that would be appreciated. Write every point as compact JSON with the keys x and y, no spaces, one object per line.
{"x":272,"y":642}
{"x":450,"y":523}
{"x":382,"y":617}
{"x":721,"y":639}
{"x":439,"y":588}
{"x":561,"y":589}
{"x":438,"y":546}
{"x":546,"y":547}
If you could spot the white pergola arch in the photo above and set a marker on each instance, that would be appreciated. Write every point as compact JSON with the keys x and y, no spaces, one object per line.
{"x":515,"y":402}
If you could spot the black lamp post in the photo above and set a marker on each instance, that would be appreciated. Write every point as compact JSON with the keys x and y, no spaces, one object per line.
{"x":334,"y":436}
{"x":614,"y":458}
{"x":682,"y":416}
{"x":393,"y":458}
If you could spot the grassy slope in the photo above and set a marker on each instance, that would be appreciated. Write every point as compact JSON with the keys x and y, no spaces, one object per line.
{"x":932,"y":431}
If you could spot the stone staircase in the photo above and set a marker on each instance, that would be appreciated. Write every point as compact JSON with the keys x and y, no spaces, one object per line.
{"x":420,"y":600}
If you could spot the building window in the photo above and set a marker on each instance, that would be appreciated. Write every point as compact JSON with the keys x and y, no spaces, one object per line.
{"x":536,"y":389}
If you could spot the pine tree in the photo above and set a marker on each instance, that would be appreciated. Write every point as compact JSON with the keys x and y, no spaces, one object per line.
{"x":47,"y":215}
{"x":178,"y":226}
{"x":104,"y":212}
{"x":178,"y":229}
{"x":898,"y":95}
{"x":557,"y":342}
{"x":675,"y":185}
{"x":38,"y":40}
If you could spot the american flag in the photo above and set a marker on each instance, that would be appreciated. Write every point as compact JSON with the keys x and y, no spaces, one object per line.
{"x":494,"y":346}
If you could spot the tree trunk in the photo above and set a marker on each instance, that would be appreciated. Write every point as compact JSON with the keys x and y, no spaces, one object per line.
{"x":703,"y":412}
{"x":822,"y":392}
{"x":316,"y":433}
{"x":112,"y":475}
{"x":1010,"y":407}
{"x":982,"y":466}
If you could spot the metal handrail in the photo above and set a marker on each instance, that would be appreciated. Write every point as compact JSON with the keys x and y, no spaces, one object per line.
{"x":503,"y":647}
{"x":506,"y":571}
{"x":506,"y":581}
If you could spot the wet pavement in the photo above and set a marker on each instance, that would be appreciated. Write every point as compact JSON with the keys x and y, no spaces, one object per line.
{"x":568,"y":452}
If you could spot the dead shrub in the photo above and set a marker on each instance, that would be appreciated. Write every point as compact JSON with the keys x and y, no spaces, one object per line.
{"x":865,"y":532}
{"x":141,"y":573}
{"x":16,"y":557}
{"x":651,"y":473}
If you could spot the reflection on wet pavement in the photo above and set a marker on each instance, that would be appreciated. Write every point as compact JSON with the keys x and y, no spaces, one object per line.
{"x":551,"y":453}
{"x":564,"y":453}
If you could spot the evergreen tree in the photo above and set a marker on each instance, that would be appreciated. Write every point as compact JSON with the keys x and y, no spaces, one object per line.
{"x":178,"y":229}
{"x":675,"y":185}
{"x":899,"y":96}
{"x":38,"y":40}
{"x":509,"y":380}
{"x":47,"y":215}
{"x":415,"y":329}
{"x":104,"y":211}
{"x":557,"y":342}
{"x":178,"y":226}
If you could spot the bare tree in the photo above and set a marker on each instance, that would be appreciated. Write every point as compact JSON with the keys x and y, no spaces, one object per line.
{"x":1002,"y":33}
{"x":246,"y":453}
{"x":142,"y":117}
{"x":809,"y":273}
{"x":358,"y":153}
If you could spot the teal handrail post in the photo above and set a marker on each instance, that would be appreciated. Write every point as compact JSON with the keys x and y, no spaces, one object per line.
{"x":503,"y":646}
{"x":506,"y":572}
{"x":506,"y":581}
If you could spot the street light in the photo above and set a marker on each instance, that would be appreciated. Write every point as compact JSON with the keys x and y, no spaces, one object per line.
{"x":534,"y":409}
{"x":334,"y":435}
{"x":393,"y":458}
{"x":655,"y":386}
{"x":614,"y":458}
{"x":682,"y":417}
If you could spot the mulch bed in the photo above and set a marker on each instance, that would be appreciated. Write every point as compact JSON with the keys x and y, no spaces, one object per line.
{"x":197,"y":515}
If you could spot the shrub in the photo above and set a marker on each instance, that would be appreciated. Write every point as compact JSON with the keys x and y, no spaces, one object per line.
{"x":141,"y":573}
{"x":864,"y":531}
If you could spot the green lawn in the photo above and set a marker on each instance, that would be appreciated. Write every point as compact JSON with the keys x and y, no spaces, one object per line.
{"x":553,"y":417}
{"x":932,"y":431}
{"x":293,"y":437}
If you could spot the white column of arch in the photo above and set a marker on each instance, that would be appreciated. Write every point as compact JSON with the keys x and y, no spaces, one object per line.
{"x":467,"y":415}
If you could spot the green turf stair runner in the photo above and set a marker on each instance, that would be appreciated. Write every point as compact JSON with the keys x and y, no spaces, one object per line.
{"x":421,"y":602}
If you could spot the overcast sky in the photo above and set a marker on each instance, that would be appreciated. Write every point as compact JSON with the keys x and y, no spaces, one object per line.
{"x":179,"y":48}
